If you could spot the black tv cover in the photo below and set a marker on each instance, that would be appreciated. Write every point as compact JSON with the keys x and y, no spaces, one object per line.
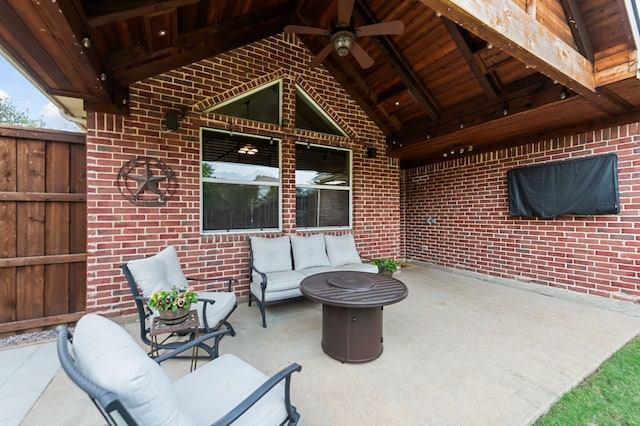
{"x":584,"y":186}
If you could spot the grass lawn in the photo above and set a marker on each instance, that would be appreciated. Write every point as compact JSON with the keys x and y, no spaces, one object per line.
{"x":610,"y":396}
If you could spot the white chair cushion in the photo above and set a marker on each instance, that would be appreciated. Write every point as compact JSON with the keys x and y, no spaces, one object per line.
{"x":219,"y":310}
{"x":172,"y":267}
{"x":309,"y":251}
{"x":271,"y":254}
{"x":217,"y":387}
{"x":341,"y":249}
{"x":157,"y":272}
{"x":149,"y":275}
{"x":107,"y":355}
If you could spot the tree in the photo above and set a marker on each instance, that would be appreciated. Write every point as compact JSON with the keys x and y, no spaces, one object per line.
{"x":11,"y":115}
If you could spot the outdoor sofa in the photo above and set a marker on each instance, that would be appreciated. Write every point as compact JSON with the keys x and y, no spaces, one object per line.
{"x":278,"y":265}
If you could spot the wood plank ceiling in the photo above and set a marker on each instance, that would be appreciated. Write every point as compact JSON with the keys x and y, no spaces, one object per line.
{"x":463,"y":75}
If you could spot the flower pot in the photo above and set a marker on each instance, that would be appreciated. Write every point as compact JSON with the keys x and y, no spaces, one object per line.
{"x":170,"y":317}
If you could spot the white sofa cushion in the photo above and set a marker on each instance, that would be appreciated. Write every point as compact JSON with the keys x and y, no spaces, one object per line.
{"x":107,"y":355}
{"x":359,"y":267}
{"x":157,"y":272}
{"x":218,"y":386}
{"x":271,"y":254}
{"x":278,"y":281}
{"x":309,"y":251}
{"x":341,"y":250}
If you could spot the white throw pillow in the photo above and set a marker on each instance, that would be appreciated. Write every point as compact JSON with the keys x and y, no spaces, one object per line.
{"x":341,"y":250}
{"x":309,"y":251}
{"x":271,"y":254}
{"x":107,"y":355}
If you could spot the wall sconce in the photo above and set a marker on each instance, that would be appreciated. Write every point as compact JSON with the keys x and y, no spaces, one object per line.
{"x":171,"y":120}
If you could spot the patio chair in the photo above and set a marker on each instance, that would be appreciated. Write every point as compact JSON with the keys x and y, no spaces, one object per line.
{"x":130,"y":388}
{"x":163,"y":270}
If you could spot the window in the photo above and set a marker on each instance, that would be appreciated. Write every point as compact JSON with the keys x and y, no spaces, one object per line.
{"x":310,"y":116}
{"x":323,"y":187}
{"x":240,"y":182}
{"x":261,"y":104}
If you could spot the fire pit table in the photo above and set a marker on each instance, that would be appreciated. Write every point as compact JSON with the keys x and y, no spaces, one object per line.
{"x":352,"y":304}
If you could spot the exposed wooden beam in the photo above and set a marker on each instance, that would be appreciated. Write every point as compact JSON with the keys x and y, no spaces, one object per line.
{"x":578,"y":28}
{"x":507,"y":26}
{"x":417,"y":159}
{"x":486,"y":81}
{"x":399,"y":64}
{"x":107,"y":12}
{"x":135,"y":64}
{"x":518,"y":99}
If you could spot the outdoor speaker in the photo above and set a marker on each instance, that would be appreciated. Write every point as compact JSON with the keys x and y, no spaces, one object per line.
{"x":371,"y":152}
{"x":171,"y":119}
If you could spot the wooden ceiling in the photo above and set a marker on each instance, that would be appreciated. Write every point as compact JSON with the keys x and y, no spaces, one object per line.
{"x":463,"y":74}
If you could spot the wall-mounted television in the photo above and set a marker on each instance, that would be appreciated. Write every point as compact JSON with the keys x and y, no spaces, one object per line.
{"x":582,"y":186}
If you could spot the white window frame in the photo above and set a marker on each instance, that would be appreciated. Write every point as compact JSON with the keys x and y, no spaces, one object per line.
{"x":331,"y":187}
{"x":239,"y":182}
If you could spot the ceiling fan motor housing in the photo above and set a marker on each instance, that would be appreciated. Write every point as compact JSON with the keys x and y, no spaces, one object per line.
{"x":342,"y":42}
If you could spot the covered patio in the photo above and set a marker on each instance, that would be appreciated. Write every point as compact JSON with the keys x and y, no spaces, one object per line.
{"x":458,"y":350}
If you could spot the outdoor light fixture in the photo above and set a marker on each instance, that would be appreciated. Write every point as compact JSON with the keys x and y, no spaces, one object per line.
{"x":564,"y":93}
{"x":342,"y":42}
{"x":248,"y":149}
{"x":103,"y":76}
{"x":505,"y":110}
{"x":86,"y":42}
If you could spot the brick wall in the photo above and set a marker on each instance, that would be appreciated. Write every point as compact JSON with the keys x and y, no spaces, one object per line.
{"x":473,"y":231}
{"x":119,"y":230}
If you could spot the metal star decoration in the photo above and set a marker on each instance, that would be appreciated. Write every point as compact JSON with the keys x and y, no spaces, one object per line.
{"x":146,"y":182}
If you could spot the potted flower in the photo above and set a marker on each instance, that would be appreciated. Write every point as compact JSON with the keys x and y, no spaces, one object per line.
{"x":386,"y":266}
{"x":173,"y":305}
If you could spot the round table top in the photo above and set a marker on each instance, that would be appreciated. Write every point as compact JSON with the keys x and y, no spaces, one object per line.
{"x":353,"y":289}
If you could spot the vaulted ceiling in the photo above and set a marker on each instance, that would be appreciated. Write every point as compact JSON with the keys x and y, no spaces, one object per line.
{"x":463,"y":75}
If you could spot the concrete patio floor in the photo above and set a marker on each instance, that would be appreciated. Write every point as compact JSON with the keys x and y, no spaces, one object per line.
{"x":459,"y":350}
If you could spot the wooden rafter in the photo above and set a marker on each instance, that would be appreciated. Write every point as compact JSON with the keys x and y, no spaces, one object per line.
{"x":486,"y":81}
{"x":518,"y":33}
{"x":399,"y":64}
{"x":107,"y":12}
{"x":578,"y":28}
{"x":199,"y":44}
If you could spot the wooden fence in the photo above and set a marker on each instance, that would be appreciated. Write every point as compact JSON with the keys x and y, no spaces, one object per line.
{"x":43,"y":226}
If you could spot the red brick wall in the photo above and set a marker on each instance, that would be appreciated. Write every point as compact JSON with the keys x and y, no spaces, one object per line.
{"x":474,"y":232}
{"x":119,"y":230}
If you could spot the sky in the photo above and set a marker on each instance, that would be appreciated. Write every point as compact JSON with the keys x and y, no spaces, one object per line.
{"x":26,"y":96}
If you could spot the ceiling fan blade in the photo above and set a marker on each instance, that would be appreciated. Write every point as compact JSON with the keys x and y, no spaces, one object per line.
{"x":382,"y":28}
{"x":321,"y":56}
{"x":361,"y":56}
{"x":345,"y":8}
{"x":299,"y":29}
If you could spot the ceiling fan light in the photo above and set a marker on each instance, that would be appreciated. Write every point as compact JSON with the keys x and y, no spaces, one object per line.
{"x":342,"y":42}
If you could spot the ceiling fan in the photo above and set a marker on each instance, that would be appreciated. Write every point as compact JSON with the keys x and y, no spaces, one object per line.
{"x":343,"y":35}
